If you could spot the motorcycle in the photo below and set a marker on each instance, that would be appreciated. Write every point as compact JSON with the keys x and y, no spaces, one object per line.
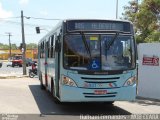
{"x":33,"y":71}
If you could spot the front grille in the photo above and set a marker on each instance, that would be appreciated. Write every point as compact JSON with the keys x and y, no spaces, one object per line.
{"x":100,"y":96}
{"x":107,"y":78}
{"x":100,"y":82}
{"x":93,"y":95}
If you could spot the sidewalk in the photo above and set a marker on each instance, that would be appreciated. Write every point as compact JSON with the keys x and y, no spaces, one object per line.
{"x":11,"y":72}
{"x":13,"y":75}
{"x":146,"y":98}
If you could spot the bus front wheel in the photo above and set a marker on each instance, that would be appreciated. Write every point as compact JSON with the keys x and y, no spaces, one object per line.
{"x":109,"y":103}
{"x":53,"y":92}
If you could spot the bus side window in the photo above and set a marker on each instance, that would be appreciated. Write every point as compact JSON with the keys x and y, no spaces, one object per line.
{"x":52,"y":46}
{"x":48,"y":47}
{"x":42,"y":50}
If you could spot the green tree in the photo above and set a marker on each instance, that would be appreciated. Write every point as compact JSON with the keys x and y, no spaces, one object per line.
{"x":153,"y":37}
{"x":1,"y":45}
{"x":31,"y":46}
{"x":145,"y":19}
{"x":4,"y":46}
{"x":14,"y":46}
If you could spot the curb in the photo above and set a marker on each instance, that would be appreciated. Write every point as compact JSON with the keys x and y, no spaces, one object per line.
{"x":13,"y":77}
{"x":146,"y":98}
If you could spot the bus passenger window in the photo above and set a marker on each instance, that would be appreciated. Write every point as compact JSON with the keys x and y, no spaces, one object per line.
{"x":52,"y":46}
{"x":48,"y":47}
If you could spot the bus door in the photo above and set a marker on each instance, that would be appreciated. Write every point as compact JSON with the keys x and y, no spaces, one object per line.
{"x":46,"y":63}
{"x":57,"y":63}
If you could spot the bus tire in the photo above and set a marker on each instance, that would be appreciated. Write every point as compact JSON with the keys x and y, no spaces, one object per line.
{"x":42,"y":87}
{"x":56,"y":101}
{"x":109,"y":103}
{"x":41,"y":83}
{"x":53,"y":92}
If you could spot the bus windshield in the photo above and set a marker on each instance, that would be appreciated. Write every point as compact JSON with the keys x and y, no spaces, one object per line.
{"x":99,"y":52}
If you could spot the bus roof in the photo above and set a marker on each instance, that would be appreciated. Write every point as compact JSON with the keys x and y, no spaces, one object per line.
{"x":118,"y":20}
{"x":65,"y":20}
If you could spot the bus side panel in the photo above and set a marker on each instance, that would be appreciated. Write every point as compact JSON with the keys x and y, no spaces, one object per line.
{"x":50,"y":72}
{"x":57,"y":72}
{"x":42,"y":69}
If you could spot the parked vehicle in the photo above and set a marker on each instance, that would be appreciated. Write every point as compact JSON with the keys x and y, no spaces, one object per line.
{"x":1,"y":64}
{"x":17,"y":61}
{"x":33,"y":71}
{"x":9,"y":63}
{"x":29,"y":62}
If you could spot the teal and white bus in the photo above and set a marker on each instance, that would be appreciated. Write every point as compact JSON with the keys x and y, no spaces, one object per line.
{"x":89,"y":60}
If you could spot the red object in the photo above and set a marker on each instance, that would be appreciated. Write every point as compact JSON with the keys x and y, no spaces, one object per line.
{"x":153,"y":61}
{"x":46,"y":79}
{"x":100,"y":92}
{"x":17,"y":60}
{"x":35,"y":51}
{"x":45,"y":63}
{"x":33,"y":66}
{"x":110,"y":84}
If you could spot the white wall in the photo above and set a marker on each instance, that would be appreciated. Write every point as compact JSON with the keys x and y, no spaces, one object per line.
{"x":149,"y":75}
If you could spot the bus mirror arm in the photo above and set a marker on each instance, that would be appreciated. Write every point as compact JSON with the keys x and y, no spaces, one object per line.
{"x":57,"y":46}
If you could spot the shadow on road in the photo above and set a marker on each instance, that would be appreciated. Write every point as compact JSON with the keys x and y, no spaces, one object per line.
{"x":147,"y":101}
{"x":46,"y":105}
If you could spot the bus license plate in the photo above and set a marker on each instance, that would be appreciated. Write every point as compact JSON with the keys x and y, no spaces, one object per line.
{"x":100,"y":92}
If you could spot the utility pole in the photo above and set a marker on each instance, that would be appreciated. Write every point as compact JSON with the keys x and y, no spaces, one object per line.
{"x":117,"y":9}
{"x":9,"y":35}
{"x":134,"y":6}
{"x":23,"y":45}
{"x":137,"y":5}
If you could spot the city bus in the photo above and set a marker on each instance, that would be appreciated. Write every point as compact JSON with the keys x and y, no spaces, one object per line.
{"x":89,"y":60}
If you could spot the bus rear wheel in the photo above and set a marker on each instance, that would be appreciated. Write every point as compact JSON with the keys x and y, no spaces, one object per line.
{"x":41,"y":82}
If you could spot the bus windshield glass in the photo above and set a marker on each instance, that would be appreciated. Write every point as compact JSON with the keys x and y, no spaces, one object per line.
{"x":102,"y":52}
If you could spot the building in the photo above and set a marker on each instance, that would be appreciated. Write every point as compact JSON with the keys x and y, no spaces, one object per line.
{"x":30,"y":53}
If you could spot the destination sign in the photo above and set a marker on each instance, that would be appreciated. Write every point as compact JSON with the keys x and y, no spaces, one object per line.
{"x":98,"y":25}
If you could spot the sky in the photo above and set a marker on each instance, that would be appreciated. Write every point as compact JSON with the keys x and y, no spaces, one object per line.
{"x":10,"y":12}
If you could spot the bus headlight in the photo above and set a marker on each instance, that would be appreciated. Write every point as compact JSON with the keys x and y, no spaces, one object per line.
{"x":68,"y":81}
{"x":131,"y":81}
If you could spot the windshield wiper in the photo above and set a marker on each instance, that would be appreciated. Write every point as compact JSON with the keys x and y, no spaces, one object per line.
{"x":86,"y":44}
{"x":112,"y":41}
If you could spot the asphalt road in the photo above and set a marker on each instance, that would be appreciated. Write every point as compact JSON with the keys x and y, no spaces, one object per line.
{"x":23,"y":97}
{"x":11,"y":71}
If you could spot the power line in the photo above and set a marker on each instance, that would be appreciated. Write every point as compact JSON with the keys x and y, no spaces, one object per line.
{"x":29,"y":34}
{"x":31,"y":25}
{"x":42,"y":18}
{"x":3,"y":35}
{"x":9,"y":18}
{"x":16,"y":34}
{"x":28,"y":17}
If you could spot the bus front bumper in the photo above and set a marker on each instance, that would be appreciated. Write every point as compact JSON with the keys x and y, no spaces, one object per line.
{"x":75,"y":94}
